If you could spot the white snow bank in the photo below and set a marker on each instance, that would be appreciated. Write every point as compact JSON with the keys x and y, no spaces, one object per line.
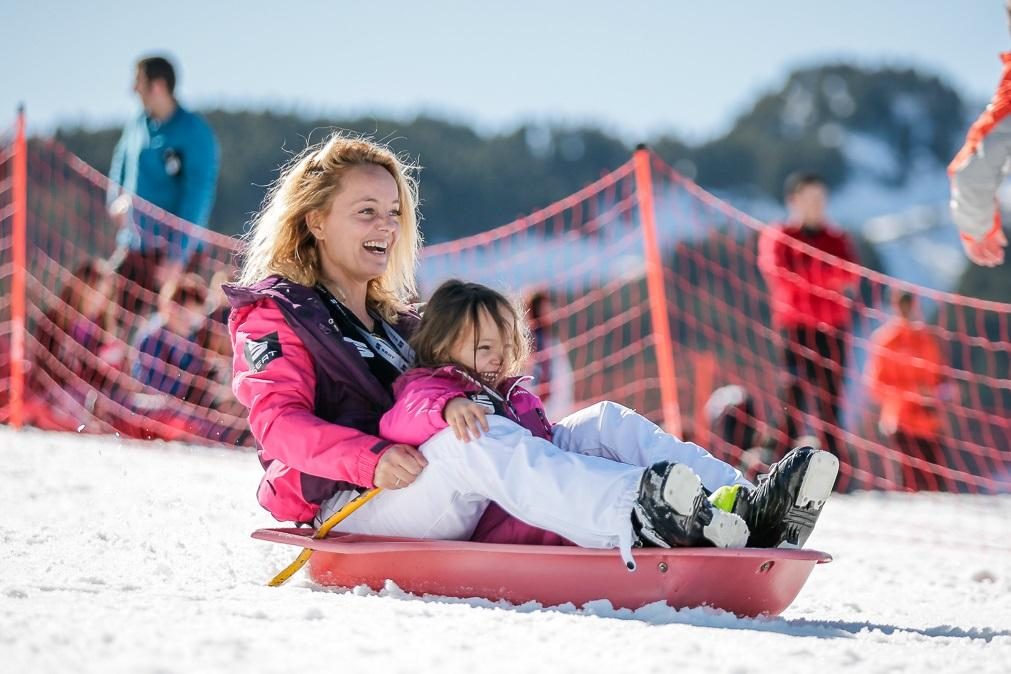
{"x":121,"y":557}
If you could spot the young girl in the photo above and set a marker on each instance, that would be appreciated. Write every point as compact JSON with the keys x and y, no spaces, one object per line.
{"x":469,"y":348}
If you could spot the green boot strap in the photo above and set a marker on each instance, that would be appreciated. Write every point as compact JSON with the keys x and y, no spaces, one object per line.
{"x":725,"y":497}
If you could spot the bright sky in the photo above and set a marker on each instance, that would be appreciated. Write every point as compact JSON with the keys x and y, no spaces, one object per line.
{"x":635,"y":67}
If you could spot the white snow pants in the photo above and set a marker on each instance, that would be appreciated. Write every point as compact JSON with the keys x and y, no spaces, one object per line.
{"x":582,"y":486}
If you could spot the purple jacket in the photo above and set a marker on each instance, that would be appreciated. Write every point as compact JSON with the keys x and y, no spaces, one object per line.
{"x":314,"y":406}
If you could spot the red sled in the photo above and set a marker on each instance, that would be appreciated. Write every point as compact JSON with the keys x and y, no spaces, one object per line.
{"x":746,"y":581}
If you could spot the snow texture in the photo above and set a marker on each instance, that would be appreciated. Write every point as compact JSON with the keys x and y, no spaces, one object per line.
{"x":132,"y":557}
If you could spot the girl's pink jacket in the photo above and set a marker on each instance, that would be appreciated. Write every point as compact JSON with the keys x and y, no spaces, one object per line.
{"x":422,"y":394}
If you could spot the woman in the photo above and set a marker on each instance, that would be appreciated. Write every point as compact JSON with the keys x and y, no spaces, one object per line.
{"x":319,"y":329}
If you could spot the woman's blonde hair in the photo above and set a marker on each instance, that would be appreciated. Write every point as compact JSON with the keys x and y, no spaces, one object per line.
{"x":454,"y":310}
{"x":279,"y":240}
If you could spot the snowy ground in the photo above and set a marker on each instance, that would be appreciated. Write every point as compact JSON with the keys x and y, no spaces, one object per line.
{"x":120,"y":557}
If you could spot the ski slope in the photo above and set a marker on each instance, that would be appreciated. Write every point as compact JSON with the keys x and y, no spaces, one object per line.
{"x":135,"y":557}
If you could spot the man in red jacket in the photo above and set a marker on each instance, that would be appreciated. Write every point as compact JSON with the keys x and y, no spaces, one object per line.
{"x":807,"y":265}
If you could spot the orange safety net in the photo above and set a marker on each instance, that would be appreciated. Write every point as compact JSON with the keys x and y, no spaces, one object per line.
{"x":111,"y":346}
{"x":737,"y":385}
{"x":921,"y":404}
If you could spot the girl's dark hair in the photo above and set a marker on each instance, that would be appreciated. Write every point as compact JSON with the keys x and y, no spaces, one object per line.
{"x":453,"y":310}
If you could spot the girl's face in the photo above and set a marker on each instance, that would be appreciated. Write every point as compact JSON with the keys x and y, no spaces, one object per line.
{"x":493,"y":355}
{"x":357,"y":235}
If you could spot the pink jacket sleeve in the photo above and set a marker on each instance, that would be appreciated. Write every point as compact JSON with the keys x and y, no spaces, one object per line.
{"x":280,"y":401}
{"x":417,"y":414}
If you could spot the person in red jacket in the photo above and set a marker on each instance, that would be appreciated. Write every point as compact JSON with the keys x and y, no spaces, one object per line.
{"x":905,"y":375}
{"x":807,"y":264}
{"x":978,"y":170}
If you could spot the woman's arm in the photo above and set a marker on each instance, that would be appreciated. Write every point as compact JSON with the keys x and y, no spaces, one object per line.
{"x":275,"y":378}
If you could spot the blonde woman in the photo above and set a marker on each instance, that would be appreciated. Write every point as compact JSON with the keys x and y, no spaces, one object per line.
{"x":320,"y":330}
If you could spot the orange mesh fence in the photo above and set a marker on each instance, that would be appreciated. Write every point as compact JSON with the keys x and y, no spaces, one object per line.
{"x":6,"y":265}
{"x":906,"y":404}
{"x":114,"y":348}
{"x":114,"y":343}
{"x":586,"y":252}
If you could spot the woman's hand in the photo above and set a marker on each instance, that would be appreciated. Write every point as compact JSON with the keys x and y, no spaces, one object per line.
{"x":398,"y":467}
{"x":465,"y":417}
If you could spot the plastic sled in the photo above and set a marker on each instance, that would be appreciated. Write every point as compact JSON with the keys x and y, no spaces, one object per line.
{"x":746,"y":581}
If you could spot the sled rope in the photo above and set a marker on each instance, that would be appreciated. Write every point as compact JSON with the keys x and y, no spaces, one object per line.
{"x":332,"y":521}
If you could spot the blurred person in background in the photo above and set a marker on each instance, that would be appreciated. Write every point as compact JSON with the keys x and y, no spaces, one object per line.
{"x":212,"y":332}
{"x":168,"y":358}
{"x":552,"y":372}
{"x":172,"y":364}
{"x":211,"y":335}
{"x":977,"y":172}
{"x":735,"y":430}
{"x":800,"y":260}
{"x":905,"y":375}
{"x":80,"y":355}
{"x":167,"y":156}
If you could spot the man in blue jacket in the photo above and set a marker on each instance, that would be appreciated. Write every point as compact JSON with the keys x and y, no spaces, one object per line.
{"x":168,"y":158}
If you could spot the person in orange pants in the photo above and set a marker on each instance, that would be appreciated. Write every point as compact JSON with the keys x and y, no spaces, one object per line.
{"x":905,"y":375}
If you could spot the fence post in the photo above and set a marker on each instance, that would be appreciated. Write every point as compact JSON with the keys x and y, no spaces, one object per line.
{"x":657,"y":294}
{"x":18,"y":242}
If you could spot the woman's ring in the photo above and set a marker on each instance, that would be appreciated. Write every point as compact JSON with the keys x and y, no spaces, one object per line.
{"x":397,"y":483}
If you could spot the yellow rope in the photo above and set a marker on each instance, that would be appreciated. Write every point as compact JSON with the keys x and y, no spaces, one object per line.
{"x":330,"y":523}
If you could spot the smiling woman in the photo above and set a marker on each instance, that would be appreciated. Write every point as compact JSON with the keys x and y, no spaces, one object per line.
{"x":356,"y":235}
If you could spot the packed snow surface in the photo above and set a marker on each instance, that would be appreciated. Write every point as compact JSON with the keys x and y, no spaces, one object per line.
{"x":123,"y":557}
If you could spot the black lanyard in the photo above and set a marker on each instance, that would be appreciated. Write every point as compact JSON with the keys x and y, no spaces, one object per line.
{"x":507,"y":407}
{"x":396,"y":351}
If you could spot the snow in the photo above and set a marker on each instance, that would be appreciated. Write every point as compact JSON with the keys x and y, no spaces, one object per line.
{"x":870,"y":157}
{"x":135,"y":557}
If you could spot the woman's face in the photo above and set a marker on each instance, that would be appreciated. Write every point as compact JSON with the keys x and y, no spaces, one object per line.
{"x":357,"y":235}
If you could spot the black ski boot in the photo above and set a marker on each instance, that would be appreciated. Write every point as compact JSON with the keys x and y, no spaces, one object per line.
{"x":672,"y":511}
{"x":782,"y":510}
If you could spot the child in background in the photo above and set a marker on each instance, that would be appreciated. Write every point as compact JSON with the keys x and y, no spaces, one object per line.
{"x":84,"y":313}
{"x":212,"y":336}
{"x":469,"y":347}
{"x":212,"y":333}
{"x":79,"y":357}
{"x":552,"y":373}
{"x":168,"y":360}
